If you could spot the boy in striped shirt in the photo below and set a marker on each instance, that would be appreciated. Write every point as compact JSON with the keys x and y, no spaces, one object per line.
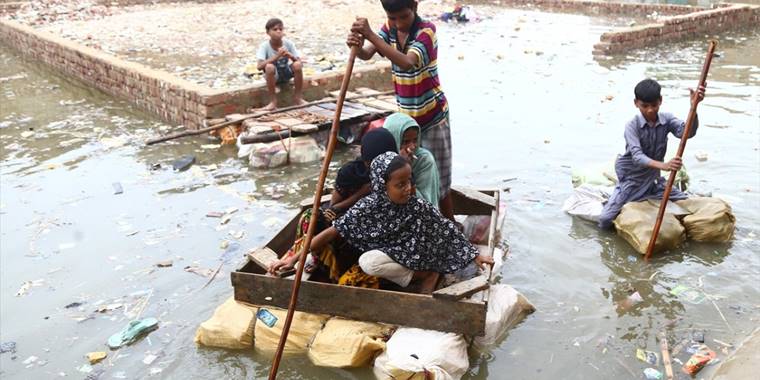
{"x":410,"y":43}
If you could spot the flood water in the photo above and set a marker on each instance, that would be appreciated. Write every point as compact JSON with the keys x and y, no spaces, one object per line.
{"x":527,"y":107}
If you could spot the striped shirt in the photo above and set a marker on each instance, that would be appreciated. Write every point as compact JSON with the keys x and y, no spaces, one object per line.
{"x":418,"y":90}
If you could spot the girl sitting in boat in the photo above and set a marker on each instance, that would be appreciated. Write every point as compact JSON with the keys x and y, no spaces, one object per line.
{"x":403,"y":237}
{"x":406,"y":132}
{"x":351,"y":184}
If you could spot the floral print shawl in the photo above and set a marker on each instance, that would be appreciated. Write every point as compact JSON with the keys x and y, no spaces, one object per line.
{"x":414,"y":234}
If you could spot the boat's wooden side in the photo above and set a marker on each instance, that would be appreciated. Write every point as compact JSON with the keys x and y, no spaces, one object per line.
{"x":373,"y":305}
{"x":463,"y":316}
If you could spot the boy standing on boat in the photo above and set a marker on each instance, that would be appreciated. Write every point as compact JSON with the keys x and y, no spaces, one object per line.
{"x":646,"y":140}
{"x":410,"y":43}
{"x":274,"y":59}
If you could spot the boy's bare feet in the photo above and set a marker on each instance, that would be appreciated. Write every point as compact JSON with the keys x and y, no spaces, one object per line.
{"x":299,"y":101}
{"x":270,"y":107}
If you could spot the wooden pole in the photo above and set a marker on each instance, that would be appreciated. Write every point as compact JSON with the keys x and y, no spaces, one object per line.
{"x":201,"y":131}
{"x":679,"y":153}
{"x":332,"y":141}
{"x":666,"y":356}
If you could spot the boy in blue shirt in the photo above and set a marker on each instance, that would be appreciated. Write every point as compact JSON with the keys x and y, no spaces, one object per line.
{"x":274,"y":59}
{"x":646,"y":141}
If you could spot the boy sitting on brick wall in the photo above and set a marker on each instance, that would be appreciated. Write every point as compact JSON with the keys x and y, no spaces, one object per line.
{"x":274,"y":59}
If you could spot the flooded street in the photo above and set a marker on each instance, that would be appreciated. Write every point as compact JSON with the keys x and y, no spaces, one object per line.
{"x":529,"y":104}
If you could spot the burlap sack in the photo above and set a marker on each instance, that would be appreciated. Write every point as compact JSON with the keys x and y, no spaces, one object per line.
{"x":711,"y":219}
{"x":636,"y":222}
{"x":302,"y":331}
{"x":230,"y":327}
{"x":344,"y":343}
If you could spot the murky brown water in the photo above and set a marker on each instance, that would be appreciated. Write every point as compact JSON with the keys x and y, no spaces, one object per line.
{"x":534,"y":114}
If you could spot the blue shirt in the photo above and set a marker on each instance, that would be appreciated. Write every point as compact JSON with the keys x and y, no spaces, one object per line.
{"x":644,"y":143}
{"x":265,"y":52}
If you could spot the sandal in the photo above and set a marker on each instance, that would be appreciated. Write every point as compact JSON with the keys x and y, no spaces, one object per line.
{"x":131,"y":332}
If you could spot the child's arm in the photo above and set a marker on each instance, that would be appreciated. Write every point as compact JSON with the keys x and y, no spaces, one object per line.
{"x":633,"y":144}
{"x":481,"y":261}
{"x":345,"y":204}
{"x":317,"y":242}
{"x":262,"y":63}
{"x":677,"y":127}
{"x":403,"y":61}
{"x":291,"y":52}
{"x":366,"y":52}
{"x":323,"y":238}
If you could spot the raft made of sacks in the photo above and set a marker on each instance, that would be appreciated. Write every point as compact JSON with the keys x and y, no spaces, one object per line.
{"x":394,"y":352}
{"x":702,"y":219}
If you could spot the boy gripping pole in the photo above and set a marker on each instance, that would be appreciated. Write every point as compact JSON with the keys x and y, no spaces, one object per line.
{"x":646,"y":141}
{"x":410,"y":43}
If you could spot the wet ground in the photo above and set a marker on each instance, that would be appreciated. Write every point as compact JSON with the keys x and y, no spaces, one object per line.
{"x":527,"y":108}
{"x":214,"y":44}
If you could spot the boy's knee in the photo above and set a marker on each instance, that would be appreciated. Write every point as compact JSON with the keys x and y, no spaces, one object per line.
{"x":605,"y":223}
{"x":296,"y":66}
{"x":270,"y":69}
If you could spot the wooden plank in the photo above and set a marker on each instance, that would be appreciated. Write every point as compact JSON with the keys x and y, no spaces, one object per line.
{"x":289,"y":121}
{"x":366,"y":91}
{"x":320,"y":111}
{"x":372,"y":110}
{"x":373,"y":305}
{"x":331,"y":108}
{"x":281,"y":242}
{"x":237,"y":116}
{"x":264,"y":257}
{"x":462,"y":289}
{"x":347,"y":111}
{"x":491,"y":242}
{"x":468,"y":201}
{"x":257,"y":127}
{"x":305,"y":128}
{"x":308,"y":202}
{"x":349,"y":94}
{"x":383,"y":105}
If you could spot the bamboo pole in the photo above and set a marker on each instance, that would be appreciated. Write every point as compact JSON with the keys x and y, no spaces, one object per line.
{"x":332,"y":141}
{"x":679,"y":153}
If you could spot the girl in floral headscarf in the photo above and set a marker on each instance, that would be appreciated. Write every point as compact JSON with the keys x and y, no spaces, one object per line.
{"x":402,"y":236}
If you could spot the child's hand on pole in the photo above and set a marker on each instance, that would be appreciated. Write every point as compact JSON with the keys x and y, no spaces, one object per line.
{"x":361,"y":26}
{"x":697,"y":96}
{"x":355,"y":40}
{"x":482,"y":260}
{"x":674,"y":164}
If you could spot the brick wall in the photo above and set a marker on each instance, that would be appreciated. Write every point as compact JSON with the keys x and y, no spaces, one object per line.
{"x":595,"y":7}
{"x":222,"y":102}
{"x":679,"y":27}
{"x":7,"y":6}
{"x":173,"y":99}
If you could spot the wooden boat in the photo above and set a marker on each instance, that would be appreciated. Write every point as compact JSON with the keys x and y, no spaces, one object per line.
{"x":459,"y":308}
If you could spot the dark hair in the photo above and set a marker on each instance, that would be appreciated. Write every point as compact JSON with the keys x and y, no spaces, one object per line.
{"x":398,"y":5}
{"x":273,"y":22}
{"x":377,"y":142}
{"x":397,"y":163}
{"x":648,"y":91}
